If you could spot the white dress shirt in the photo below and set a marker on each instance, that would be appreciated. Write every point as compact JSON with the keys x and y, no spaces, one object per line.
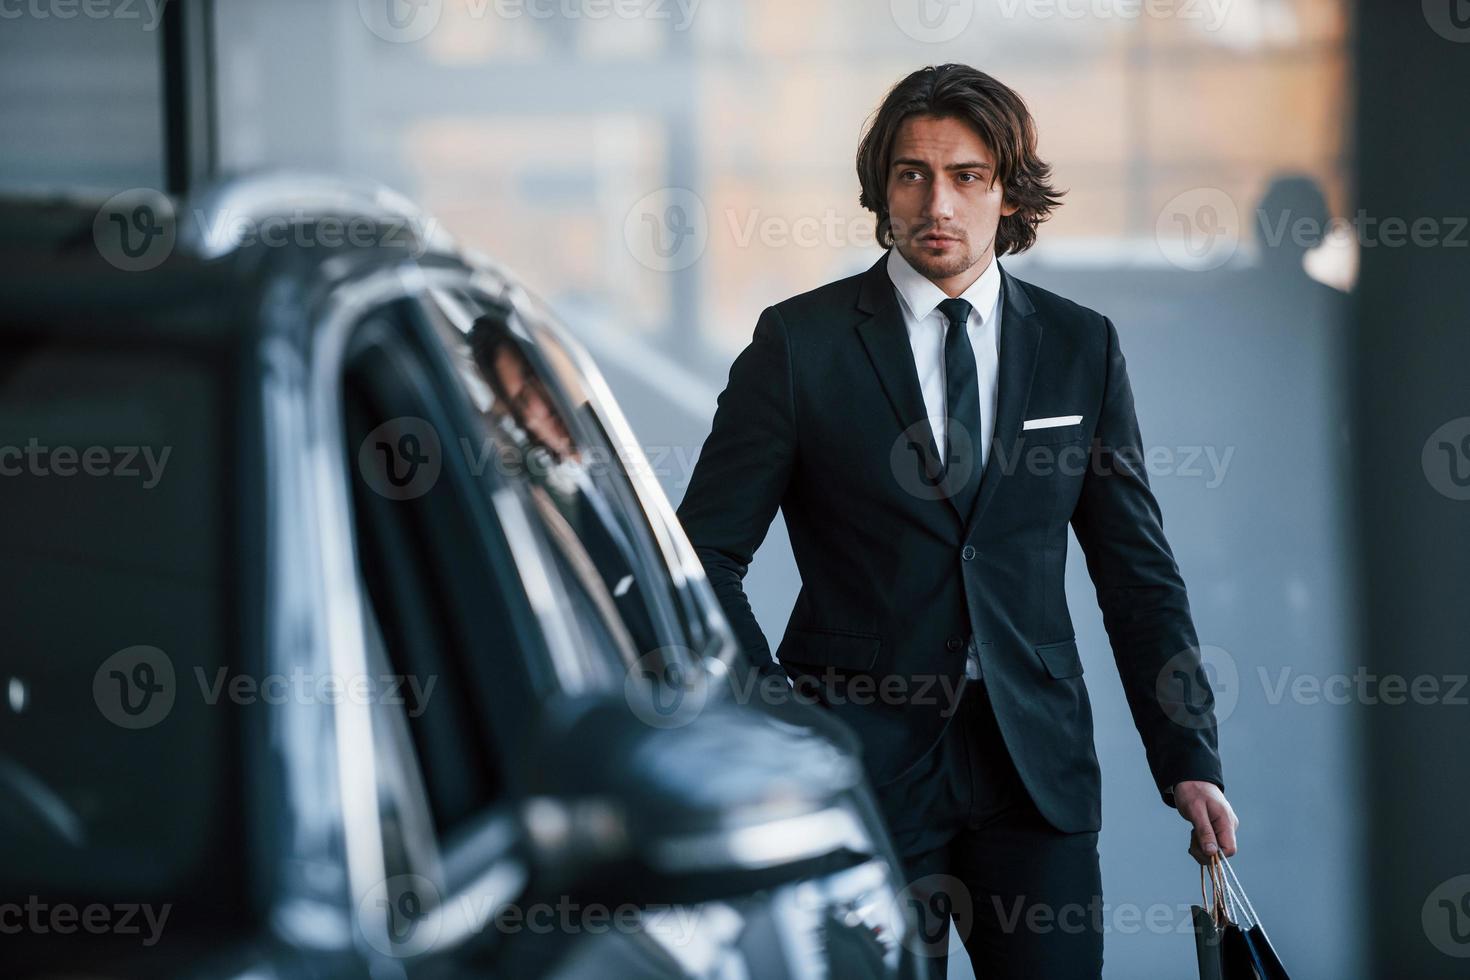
{"x":919,"y":299}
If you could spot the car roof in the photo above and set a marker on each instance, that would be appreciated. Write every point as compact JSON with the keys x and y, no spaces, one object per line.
{"x":202,"y":277}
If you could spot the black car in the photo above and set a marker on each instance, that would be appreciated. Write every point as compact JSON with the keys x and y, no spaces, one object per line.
{"x":346,"y":633}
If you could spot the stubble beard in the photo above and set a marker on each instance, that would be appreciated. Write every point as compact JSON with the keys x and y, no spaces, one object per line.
{"x":936,"y":267}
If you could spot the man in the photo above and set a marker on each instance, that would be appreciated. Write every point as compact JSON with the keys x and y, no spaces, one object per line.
{"x":930,"y":428}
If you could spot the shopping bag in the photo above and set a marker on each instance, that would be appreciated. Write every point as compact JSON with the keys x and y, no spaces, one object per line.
{"x":1209,"y":923}
{"x":1230,"y":942}
{"x":1206,"y":942}
{"x":1253,"y":942}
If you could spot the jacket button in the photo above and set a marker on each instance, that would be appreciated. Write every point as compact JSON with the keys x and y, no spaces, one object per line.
{"x":968,"y":554}
{"x":953,"y":643}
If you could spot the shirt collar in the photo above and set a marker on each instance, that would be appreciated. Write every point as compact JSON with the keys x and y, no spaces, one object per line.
{"x":921,"y":296}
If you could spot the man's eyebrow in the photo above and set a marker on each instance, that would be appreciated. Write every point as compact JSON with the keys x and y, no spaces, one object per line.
{"x":968,"y":165}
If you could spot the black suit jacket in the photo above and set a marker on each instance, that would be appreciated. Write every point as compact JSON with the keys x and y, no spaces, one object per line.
{"x":820,"y":418}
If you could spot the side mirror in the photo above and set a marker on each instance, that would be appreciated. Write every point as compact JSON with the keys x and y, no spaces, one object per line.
{"x":625,"y":805}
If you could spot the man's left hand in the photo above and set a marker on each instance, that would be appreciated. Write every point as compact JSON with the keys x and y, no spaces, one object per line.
{"x":1205,"y":807}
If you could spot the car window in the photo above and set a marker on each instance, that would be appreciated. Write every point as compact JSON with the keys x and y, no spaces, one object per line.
{"x":119,"y":756}
{"x":630,"y":472}
{"x":551,"y":445}
{"x":454,"y":643}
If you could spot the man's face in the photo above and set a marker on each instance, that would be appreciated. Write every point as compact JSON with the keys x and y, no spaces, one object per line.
{"x":531,"y":405}
{"x":944,"y":203}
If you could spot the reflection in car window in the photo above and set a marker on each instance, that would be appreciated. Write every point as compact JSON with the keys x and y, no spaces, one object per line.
{"x":546,"y":440}
{"x":628,"y":473}
{"x":561,"y":475}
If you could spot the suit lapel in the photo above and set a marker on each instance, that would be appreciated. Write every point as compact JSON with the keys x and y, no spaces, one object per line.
{"x":886,"y":339}
{"x":1020,"y":340}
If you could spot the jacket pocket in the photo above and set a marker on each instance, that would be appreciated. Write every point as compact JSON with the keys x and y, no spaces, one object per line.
{"x":1061,"y":659}
{"x":830,"y":648}
{"x":1052,"y":435}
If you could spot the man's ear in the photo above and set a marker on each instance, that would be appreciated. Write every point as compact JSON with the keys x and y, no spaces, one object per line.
{"x":1007,"y":208}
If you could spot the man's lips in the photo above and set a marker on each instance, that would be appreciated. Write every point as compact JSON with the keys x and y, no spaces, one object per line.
{"x":936,"y":240}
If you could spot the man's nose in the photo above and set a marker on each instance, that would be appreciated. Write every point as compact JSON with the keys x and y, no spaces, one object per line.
{"x":938,"y":203}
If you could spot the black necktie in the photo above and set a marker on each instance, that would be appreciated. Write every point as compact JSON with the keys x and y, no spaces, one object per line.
{"x":962,"y":406}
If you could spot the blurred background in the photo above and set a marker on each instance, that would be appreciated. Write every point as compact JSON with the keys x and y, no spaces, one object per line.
{"x":1246,"y":181}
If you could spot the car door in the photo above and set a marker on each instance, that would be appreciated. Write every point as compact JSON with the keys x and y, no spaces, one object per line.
{"x":482,"y":602}
{"x":124,"y":753}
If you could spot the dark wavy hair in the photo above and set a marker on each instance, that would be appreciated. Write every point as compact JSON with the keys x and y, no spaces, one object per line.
{"x":1001,"y":119}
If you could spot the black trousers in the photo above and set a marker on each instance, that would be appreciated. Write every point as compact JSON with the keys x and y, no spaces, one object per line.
{"x":1026,"y":898}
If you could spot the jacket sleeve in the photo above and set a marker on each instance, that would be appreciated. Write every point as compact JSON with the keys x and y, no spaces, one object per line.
{"x":1142,"y":596}
{"x":742,"y":475}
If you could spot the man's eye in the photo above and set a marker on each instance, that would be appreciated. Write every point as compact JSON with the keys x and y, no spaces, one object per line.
{"x":910,"y":176}
{"x":969,"y":178}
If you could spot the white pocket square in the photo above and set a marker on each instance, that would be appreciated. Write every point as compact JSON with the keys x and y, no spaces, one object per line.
{"x":1051,"y":422}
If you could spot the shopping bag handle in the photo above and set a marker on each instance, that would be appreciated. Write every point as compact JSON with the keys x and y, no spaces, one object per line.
{"x":1242,"y":898}
{"x":1218,"y":898}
